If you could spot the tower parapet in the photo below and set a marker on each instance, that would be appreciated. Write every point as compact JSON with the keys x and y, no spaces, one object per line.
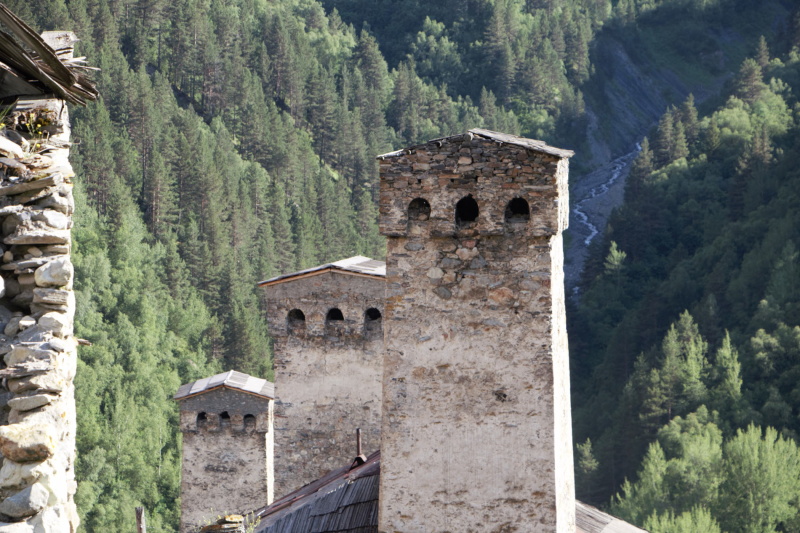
{"x":476,"y":365}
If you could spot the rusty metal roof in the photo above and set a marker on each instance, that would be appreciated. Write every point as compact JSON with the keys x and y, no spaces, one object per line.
{"x":346,"y":500}
{"x":358,"y":265}
{"x":231,"y":380}
{"x":530,"y":144}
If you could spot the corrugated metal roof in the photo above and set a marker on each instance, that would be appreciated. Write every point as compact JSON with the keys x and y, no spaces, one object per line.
{"x":346,"y":500}
{"x":354,"y":265}
{"x":530,"y":144}
{"x":232,"y":380}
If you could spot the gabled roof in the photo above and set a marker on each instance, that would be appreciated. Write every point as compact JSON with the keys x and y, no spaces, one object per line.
{"x":357,"y":265}
{"x":530,"y":144}
{"x":231,"y":380}
{"x":346,"y":500}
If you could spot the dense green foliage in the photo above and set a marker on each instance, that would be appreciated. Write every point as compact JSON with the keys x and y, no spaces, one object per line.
{"x":235,"y":139}
{"x":692,"y":308}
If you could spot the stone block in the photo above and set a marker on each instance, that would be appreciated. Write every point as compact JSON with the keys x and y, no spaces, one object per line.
{"x":57,"y":324}
{"x":24,"y":443}
{"x":57,"y":273}
{"x":26,"y":502}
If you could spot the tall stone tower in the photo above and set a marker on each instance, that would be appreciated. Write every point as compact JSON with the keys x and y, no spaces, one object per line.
{"x":227,"y":427}
{"x":326,"y":323}
{"x":476,"y":431}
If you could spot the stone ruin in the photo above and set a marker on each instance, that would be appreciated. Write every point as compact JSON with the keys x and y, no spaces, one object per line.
{"x":37,"y":308}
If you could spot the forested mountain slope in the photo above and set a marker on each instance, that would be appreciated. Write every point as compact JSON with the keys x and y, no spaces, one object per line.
{"x":235,"y":139}
{"x":693,"y":312}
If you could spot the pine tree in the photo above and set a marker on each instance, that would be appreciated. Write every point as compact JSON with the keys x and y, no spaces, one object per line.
{"x":749,"y":81}
{"x":664,"y":145}
{"x":762,"y":53}
{"x":680,"y":148}
{"x":690,"y":123}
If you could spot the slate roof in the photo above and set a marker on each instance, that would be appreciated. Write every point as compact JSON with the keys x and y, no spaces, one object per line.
{"x":231,"y":380}
{"x":530,"y":144}
{"x":346,"y":500}
{"x":358,"y":265}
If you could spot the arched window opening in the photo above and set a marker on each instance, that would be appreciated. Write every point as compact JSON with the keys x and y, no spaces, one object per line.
{"x":419,"y":210}
{"x":296,"y":320}
{"x":334,"y":321}
{"x":466,"y":212}
{"x":518,"y":211}
{"x":249,"y":421}
{"x":372,"y":320}
{"x":202,"y":420}
{"x":334,"y":315}
{"x":224,"y":419}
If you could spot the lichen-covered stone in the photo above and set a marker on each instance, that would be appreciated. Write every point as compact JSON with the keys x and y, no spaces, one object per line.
{"x":26,"y":443}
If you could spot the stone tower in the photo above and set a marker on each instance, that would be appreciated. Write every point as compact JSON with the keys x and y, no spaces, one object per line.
{"x":227,"y":427}
{"x":476,"y":431}
{"x":326,"y":323}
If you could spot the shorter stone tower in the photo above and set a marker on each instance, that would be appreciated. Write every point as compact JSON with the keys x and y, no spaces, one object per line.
{"x":227,"y":427}
{"x":476,"y":433}
{"x":326,"y":323}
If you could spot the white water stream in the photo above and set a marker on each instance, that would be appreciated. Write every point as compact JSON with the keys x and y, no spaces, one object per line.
{"x":617,"y":166}
{"x":600,"y":183}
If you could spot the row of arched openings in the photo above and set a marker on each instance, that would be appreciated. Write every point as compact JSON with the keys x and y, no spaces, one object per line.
{"x":334,"y":318}
{"x":225,"y":420}
{"x":466,"y":212}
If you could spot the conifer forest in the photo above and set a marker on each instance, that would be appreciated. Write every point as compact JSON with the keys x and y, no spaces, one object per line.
{"x":235,"y":140}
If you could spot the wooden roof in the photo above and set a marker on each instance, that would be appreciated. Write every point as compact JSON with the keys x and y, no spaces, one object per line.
{"x":29,"y":66}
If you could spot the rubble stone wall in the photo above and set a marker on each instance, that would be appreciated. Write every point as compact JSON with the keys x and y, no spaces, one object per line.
{"x":37,"y":308}
{"x":476,"y":387}
{"x":327,"y":375}
{"x":228,"y":443}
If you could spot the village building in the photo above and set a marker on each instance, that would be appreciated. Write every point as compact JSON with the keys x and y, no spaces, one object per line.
{"x":326,"y":325}
{"x":227,"y":426}
{"x":472,"y":367}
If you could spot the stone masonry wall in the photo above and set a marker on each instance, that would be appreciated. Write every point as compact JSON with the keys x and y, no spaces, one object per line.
{"x":37,"y":307}
{"x":476,"y":432}
{"x":327,"y":377}
{"x":227,"y":455}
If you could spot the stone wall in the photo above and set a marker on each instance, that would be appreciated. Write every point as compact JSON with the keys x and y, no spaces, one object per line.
{"x":327,"y":375}
{"x":476,"y":419}
{"x":227,"y":452}
{"x":37,"y":307}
